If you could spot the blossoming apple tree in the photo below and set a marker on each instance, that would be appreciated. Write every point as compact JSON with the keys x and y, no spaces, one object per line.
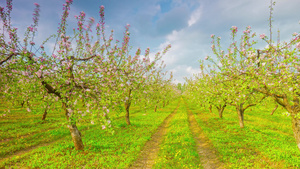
{"x":82,"y":68}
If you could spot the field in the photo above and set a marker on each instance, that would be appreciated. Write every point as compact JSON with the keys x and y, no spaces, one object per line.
{"x":180,"y":135}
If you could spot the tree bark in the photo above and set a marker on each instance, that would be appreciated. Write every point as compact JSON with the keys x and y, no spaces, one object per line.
{"x":240,"y":113}
{"x":274,"y":109}
{"x":210,"y":108}
{"x":45,"y":112}
{"x":221,"y":110}
{"x":127,"y":106}
{"x":75,"y":133}
{"x":22,"y":104}
{"x":296,"y":129}
{"x":76,"y":136}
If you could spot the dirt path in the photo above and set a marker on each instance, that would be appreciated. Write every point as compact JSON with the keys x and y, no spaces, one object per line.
{"x":150,"y":151}
{"x":208,"y":157}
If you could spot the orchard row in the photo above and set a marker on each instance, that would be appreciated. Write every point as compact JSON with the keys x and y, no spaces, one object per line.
{"x":91,"y":75}
{"x":243,"y":76}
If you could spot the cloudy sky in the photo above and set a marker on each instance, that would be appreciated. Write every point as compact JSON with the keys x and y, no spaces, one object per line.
{"x":185,"y":24}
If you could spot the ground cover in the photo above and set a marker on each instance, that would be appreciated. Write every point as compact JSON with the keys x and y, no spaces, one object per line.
{"x":102,"y":149}
{"x":265,"y":142}
{"x":178,"y":149}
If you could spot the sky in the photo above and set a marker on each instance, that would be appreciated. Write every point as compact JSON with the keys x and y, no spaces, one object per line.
{"x":185,"y":24}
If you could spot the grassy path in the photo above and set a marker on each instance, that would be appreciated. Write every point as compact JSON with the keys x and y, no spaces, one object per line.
{"x":178,"y":149}
{"x":265,"y":142}
{"x":178,"y":143}
{"x":149,"y":153}
{"x":207,"y":153}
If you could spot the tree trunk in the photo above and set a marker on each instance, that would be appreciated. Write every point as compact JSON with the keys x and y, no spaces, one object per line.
{"x":22,"y":104}
{"x":296,"y":129}
{"x":76,"y":136}
{"x":127,"y":106}
{"x":75,"y":133}
{"x":274,"y":109}
{"x":240,"y":113}
{"x":210,"y":108}
{"x":155,"y":108}
{"x":45,"y":112}
{"x":220,"y":110}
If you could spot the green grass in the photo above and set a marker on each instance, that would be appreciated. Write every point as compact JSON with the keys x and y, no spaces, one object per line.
{"x":265,"y":142}
{"x":102,"y":149}
{"x":178,"y":149}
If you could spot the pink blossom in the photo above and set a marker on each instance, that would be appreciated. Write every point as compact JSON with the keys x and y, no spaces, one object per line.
{"x":298,"y":45}
{"x":92,"y":122}
{"x":234,"y":29}
{"x":39,"y":73}
{"x":32,"y":43}
{"x":103,"y":127}
{"x":262,"y":36}
{"x":212,"y":35}
{"x":92,"y":19}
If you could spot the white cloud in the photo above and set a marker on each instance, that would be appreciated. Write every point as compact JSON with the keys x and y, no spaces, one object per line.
{"x":181,"y":71}
{"x":196,"y":15}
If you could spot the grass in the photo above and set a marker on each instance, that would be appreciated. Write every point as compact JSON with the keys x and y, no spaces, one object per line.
{"x":178,"y":149}
{"x":265,"y":142}
{"x":102,"y":149}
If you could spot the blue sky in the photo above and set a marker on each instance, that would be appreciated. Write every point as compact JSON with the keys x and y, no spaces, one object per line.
{"x":185,"y":24}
